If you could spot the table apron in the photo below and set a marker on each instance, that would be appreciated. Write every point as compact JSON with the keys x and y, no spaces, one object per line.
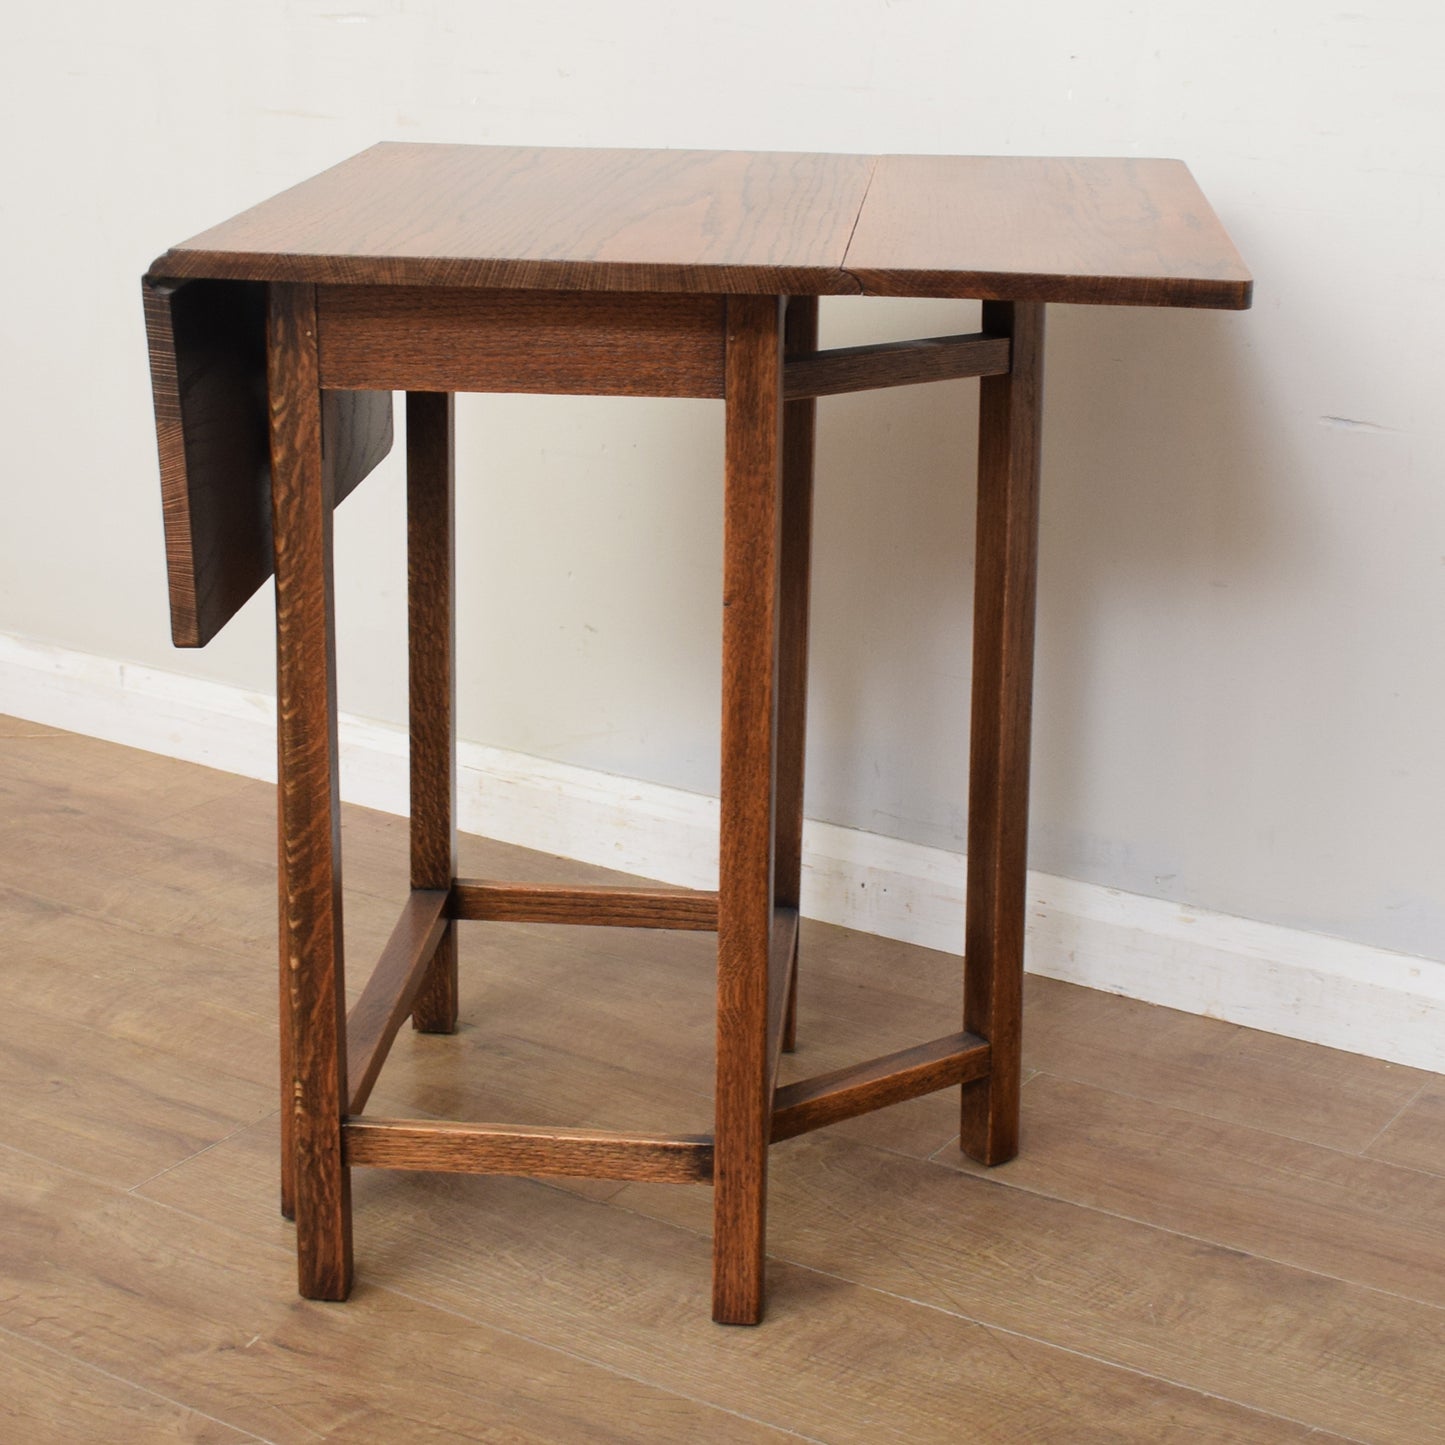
{"x":402,"y":338}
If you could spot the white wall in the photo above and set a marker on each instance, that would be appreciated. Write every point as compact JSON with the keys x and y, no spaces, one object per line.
{"x":1241,"y":670}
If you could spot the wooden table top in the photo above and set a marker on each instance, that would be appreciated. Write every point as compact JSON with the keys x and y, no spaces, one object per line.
{"x":1098,"y":231}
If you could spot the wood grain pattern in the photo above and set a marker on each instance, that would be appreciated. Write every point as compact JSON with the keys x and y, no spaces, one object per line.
{"x":1218,"y":1070}
{"x":608,"y":220}
{"x":302,"y":504}
{"x":1416,"y":1137}
{"x":431,"y":679}
{"x":1094,"y":230}
{"x":518,"y":1149}
{"x":849,"y":1357}
{"x":390,"y":992}
{"x":191,"y":1311}
{"x":998,"y":780}
{"x":207,"y":342}
{"x":1093,"y":1326}
{"x":462,"y":289}
{"x":751,"y":512}
{"x":50,"y":1398}
{"x":1320,"y":1209}
{"x":597,"y":904}
{"x":220,"y":992}
{"x":132,"y":1110}
{"x":795,"y":565}
{"x":1097,"y":230}
{"x":285,"y":1044}
{"x":782,"y":954}
{"x":1345,"y":1358}
{"x":893,"y":363}
{"x":553,"y":342}
{"x":844,"y":1093}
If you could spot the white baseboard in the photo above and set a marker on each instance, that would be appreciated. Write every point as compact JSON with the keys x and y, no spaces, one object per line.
{"x":1304,"y":985}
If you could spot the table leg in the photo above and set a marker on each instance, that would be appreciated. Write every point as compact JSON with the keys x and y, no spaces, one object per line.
{"x":310,"y":804}
{"x":998,"y":796}
{"x":800,"y":337}
{"x":288,"y":1132}
{"x":745,"y":875}
{"x":431,"y":596}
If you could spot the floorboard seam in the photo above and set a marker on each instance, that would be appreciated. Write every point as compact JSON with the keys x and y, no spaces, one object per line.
{"x":205,"y":1149}
{"x":135,"y":1385}
{"x":485,"y":1324}
{"x":1040,"y":1193}
{"x":1241,"y":1124}
{"x":995,"y":1328}
{"x":584,"y":1359}
{"x":1390,"y":1124}
{"x":773,"y":1255}
{"x":97,"y":1179}
{"x":62,"y":906}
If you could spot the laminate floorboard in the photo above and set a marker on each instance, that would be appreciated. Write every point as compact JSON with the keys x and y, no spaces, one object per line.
{"x":1415,"y":1137}
{"x":835,"y":1361}
{"x":49,"y":1398}
{"x":1283,"y":1340}
{"x":108,"y":1108}
{"x":1325,"y":1210}
{"x":1212,"y":1234}
{"x":179,"y":1306}
{"x":1217,"y":1069}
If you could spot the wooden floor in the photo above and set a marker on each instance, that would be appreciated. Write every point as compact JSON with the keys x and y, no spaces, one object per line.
{"x":1212,"y":1234}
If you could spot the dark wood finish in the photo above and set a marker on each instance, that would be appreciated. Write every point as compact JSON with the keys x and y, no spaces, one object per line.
{"x":795,"y":563}
{"x":1113,"y":231}
{"x":751,"y":512}
{"x":555,"y":342}
{"x":518,"y":1149}
{"x":431,"y":679}
{"x":437,"y":268}
{"x":998,"y":781}
{"x":309,"y":797}
{"x":894,"y":363}
{"x":390,"y":992}
{"x":1093,"y":230}
{"x":285,"y":1050}
{"x":207,"y":342}
{"x":923,"y":1069}
{"x":782,"y":959}
{"x":606,"y":907}
{"x":719,"y":222}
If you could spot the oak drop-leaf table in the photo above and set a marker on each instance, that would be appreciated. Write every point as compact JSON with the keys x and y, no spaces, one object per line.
{"x":276,"y":340}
